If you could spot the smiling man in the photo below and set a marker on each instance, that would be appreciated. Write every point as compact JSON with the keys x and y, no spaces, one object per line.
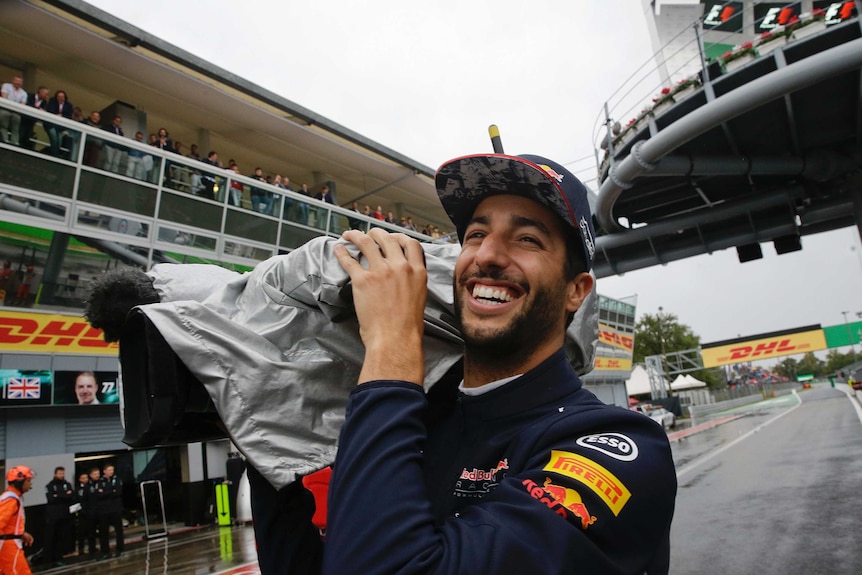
{"x":86,"y":387}
{"x":525,"y":471}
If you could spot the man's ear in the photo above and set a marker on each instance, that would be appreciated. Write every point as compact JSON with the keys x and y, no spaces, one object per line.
{"x":578,"y":289}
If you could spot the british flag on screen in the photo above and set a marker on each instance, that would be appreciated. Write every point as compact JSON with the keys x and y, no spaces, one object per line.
{"x":23,"y":388}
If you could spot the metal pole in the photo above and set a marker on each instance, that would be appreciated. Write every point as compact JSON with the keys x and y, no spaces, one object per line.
{"x":850,"y":336}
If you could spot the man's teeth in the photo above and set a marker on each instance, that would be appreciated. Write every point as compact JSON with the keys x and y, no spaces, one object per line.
{"x":490,"y":294}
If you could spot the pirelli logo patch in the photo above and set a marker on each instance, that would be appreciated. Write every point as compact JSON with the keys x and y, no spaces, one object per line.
{"x":597,"y":478}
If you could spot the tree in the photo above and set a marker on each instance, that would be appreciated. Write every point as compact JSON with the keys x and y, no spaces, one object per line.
{"x":835,"y":360}
{"x":787,"y":367}
{"x":663,"y":333}
{"x":810,"y":364}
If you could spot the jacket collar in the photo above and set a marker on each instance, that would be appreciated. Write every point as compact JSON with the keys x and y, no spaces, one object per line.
{"x":549,"y":381}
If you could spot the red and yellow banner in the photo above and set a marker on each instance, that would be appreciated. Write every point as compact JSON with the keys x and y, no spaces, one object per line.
{"x":613,"y":338}
{"x":51,"y":333}
{"x":612,"y":364}
{"x":764,"y":348}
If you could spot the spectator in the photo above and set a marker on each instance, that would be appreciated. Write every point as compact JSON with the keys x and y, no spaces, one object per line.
{"x":77,"y":114}
{"x":26,"y":284}
{"x":114,"y":153}
{"x":409,"y":225}
{"x":390,"y":217}
{"x":366,"y":211}
{"x":12,"y":534}
{"x":153,"y":140}
{"x":86,"y":388}
{"x":14,"y":92}
{"x":208,"y":179}
{"x":135,"y":163}
{"x":303,"y":206}
{"x":355,"y":224}
{"x":38,"y":100}
{"x":378,"y":214}
{"x":163,"y":140}
{"x":58,"y":105}
{"x":236,"y":188}
{"x":93,"y":145}
{"x":193,"y":152}
{"x":110,"y":511}
{"x":260,"y":200}
{"x":324,"y":196}
{"x":58,"y":527}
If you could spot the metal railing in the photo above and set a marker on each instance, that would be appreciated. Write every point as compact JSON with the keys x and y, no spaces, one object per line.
{"x":687,"y":64}
{"x":133,"y":198}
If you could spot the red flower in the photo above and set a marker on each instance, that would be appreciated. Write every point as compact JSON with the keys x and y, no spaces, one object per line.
{"x":746,"y":46}
{"x":766,"y":35}
{"x":727,"y":55}
{"x":665,"y":91}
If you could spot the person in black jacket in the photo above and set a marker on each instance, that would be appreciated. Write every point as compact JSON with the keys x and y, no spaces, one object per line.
{"x":82,"y":527}
{"x":110,"y":511}
{"x":58,"y":105}
{"x":90,"y":511}
{"x":38,"y":100}
{"x":527,"y":472}
{"x":58,"y":524}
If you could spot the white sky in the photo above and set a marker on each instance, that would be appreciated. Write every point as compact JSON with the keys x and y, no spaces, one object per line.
{"x":426,"y":79}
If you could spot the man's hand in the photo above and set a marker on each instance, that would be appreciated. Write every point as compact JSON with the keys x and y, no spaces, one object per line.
{"x":389,"y":298}
{"x":27,"y":539}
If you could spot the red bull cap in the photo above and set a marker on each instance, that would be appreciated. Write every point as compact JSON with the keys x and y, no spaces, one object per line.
{"x":464,"y":182}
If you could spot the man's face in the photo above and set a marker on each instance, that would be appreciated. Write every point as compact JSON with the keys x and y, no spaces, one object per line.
{"x":118,"y":120}
{"x":511,"y":295}
{"x":85,"y":389}
{"x":83,"y":478}
{"x":95,"y":117}
{"x":60,"y":474}
{"x":17,"y":82}
{"x":95,"y":475}
{"x":139,"y":137}
{"x":109,"y":471}
{"x":27,"y":485}
{"x":43,"y":94}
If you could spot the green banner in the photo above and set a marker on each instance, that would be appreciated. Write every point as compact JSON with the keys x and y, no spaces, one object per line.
{"x":843,"y":334}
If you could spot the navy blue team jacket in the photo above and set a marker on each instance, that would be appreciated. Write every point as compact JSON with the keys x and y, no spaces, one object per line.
{"x":535,"y":477}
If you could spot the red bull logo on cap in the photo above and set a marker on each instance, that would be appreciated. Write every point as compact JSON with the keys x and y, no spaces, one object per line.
{"x":552,"y":172}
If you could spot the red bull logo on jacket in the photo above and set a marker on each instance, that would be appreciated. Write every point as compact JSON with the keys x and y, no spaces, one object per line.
{"x":562,"y":500}
{"x":483,"y":475}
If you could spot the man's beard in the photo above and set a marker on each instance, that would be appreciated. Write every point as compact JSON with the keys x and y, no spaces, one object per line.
{"x":502,"y":348}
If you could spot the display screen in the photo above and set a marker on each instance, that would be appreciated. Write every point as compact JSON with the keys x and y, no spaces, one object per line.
{"x":836,"y":12}
{"x":723,"y":16}
{"x":85,"y":388}
{"x":768,"y":15}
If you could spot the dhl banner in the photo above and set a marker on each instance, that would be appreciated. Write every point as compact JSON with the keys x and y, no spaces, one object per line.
{"x":613,"y":338}
{"x":763,"y":348}
{"x":51,"y":333}
{"x":612,"y":364}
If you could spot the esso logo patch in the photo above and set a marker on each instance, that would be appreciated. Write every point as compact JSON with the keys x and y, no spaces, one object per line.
{"x":614,"y":445}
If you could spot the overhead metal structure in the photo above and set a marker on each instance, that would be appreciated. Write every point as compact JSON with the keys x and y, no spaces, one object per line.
{"x":771,"y":151}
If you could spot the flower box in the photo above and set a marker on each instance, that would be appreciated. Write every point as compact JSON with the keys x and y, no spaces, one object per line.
{"x":685,"y":92}
{"x":661,"y":106}
{"x":739,"y":61}
{"x":809,"y":29}
{"x":767,"y":45}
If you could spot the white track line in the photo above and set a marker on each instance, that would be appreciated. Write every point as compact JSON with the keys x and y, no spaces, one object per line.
{"x":698,"y":462}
